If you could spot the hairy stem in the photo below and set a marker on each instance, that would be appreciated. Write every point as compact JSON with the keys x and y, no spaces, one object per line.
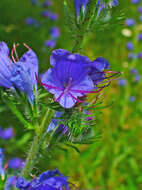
{"x":34,"y":151}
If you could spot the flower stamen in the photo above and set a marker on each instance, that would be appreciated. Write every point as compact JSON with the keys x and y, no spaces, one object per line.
{"x":14,"y":51}
{"x":26,"y":46}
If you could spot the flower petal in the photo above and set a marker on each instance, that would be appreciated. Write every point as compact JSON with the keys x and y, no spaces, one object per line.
{"x":4,"y":48}
{"x":66,"y":100}
{"x":5,"y":70}
{"x":100,"y":64}
{"x":31,"y":61}
{"x":21,"y":78}
{"x":58,"y":54}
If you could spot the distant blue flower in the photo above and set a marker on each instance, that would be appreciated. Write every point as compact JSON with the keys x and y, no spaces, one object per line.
{"x":130,"y":22}
{"x":47,"y":3}
{"x":2,"y":172}
{"x":139,"y":55}
{"x":134,"y":71}
{"x":137,"y":78}
{"x":21,"y":73}
{"x":50,"y":43}
{"x":7,"y":133}
{"x":34,"y":2}
{"x":30,"y":21}
{"x":135,"y":1}
{"x":10,"y":182}
{"x":68,"y":79}
{"x":140,"y":17}
{"x":15,"y":163}
{"x":140,"y":37}
{"x":132,"y":56}
{"x":50,"y":15}
{"x":129,"y":46}
{"x":50,"y":180}
{"x":54,"y":32}
{"x":140,"y":9}
{"x":132,"y":98}
{"x":122,"y":82}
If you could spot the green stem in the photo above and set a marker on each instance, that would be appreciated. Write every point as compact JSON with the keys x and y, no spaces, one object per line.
{"x":30,"y":162}
{"x":33,"y":154}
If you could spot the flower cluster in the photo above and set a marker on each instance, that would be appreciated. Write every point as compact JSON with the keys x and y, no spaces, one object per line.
{"x":18,"y":73}
{"x":81,"y":5}
{"x":50,"y":180}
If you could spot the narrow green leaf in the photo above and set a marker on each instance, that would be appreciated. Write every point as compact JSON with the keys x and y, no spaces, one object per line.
{"x":17,"y":113}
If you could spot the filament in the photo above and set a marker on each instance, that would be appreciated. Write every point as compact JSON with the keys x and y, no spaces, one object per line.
{"x":59,"y":97}
{"x":46,"y":85}
{"x":85,"y":91}
{"x":26,"y":46}
{"x":14,"y":51}
{"x":79,"y":101}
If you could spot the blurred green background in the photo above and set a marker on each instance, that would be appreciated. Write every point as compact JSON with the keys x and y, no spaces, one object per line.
{"x":115,"y":161}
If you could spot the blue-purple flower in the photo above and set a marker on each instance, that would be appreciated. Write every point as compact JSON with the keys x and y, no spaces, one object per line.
{"x":122,"y":82}
{"x":129,"y":46}
{"x":130,"y":22}
{"x":140,"y":18}
{"x":73,"y":76}
{"x":54,"y":32}
{"x":15,"y":163}
{"x":20,"y":73}
{"x":6,"y":134}
{"x":31,"y":21}
{"x":68,"y":79}
{"x":50,"y":180}
{"x":137,"y":78}
{"x":132,"y":98}
{"x":135,"y":1}
{"x":50,"y":43}
{"x":140,"y":9}
{"x":50,"y":15}
{"x":47,"y":3}
{"x":140,"y":37}
{"x":134,"y":71}
{"x":10,"y":182}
